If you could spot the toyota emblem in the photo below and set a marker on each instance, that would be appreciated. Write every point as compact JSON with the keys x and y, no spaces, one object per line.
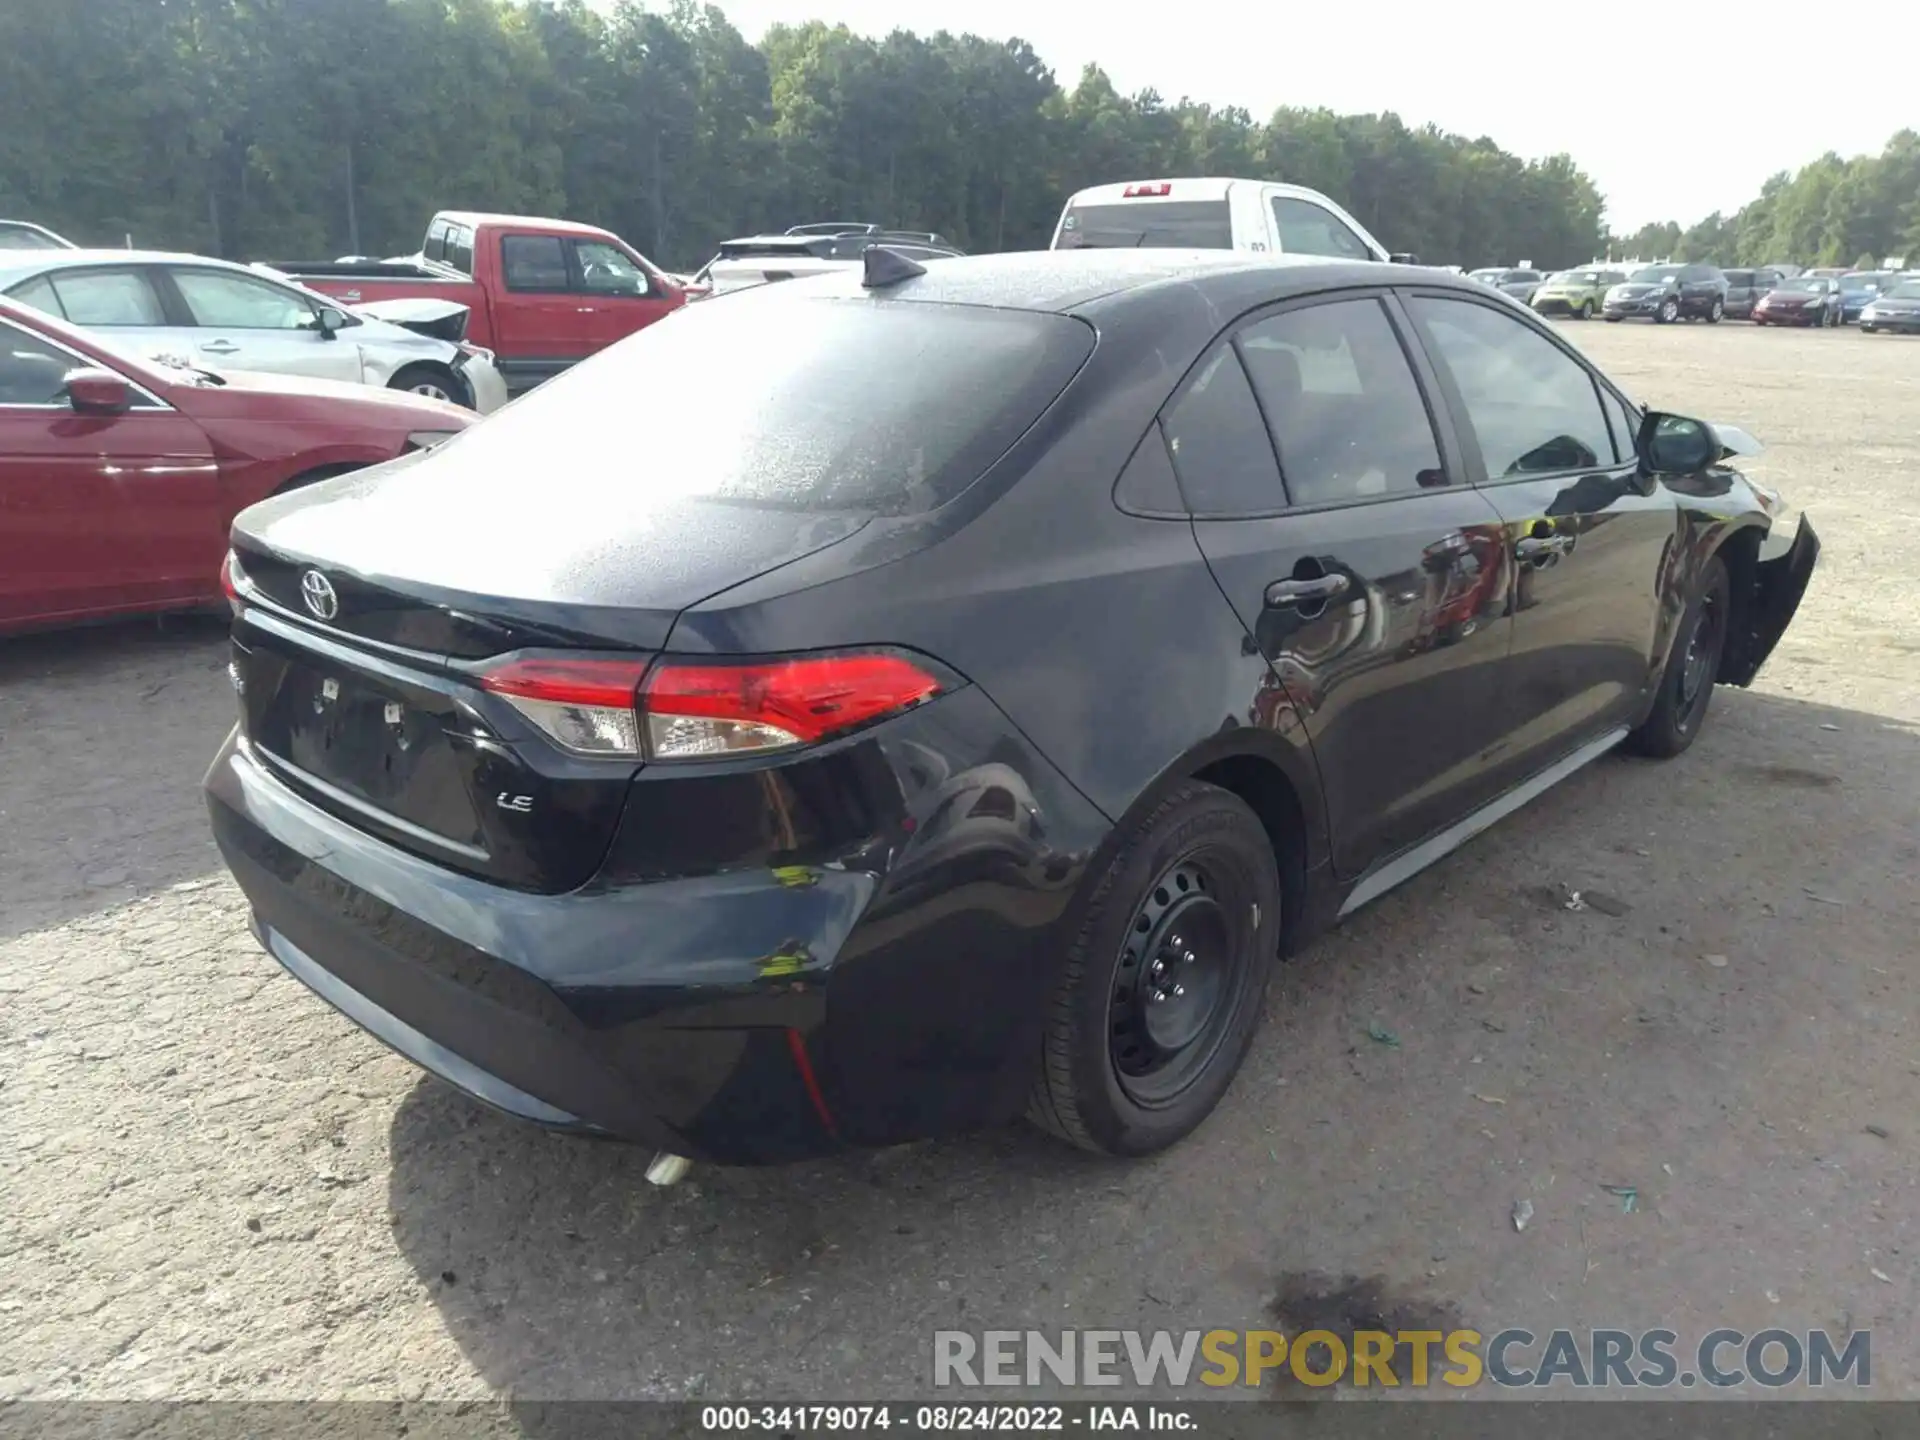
{"x":317,"y":591}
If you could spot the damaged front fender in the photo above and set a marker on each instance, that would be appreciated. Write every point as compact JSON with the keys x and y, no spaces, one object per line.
{"x":1779,"y":583}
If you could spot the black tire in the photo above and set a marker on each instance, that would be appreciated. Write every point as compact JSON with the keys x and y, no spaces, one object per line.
{"x":1586,"y":310}
{"x":434,"y":381}
{"x":1612,"y":319}
{"x":1107,"y":1083}
{"x":1686,"y":685}
{"x":1668,"y":312}
{"x":1714,"y":315}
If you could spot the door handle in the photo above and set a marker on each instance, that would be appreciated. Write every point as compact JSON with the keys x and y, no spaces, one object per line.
{"x":1282,"y":593}
{"x":1542,"y":547}
{"x":220,"y":347}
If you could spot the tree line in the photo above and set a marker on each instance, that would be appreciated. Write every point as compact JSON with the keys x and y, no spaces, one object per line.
{"x":265,"y":129}
{"x":1833,"y":212}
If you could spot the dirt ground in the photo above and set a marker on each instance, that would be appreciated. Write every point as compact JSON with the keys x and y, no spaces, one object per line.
{"x":211,"y":1185}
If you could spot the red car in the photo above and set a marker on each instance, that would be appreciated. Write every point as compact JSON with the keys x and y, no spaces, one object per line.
{"x":541,"y":294}
{"x":119,"y":478}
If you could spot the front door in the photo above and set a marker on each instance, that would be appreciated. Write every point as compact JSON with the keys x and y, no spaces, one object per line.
{"x":91,"y":505}
{"x":1372,"y":582}
{"x":244,"y":322}
{"x":1589,"y":536}
{"x":625,"y":295}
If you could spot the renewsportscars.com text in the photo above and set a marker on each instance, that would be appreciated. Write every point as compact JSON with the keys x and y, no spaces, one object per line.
{"x":1513,"y":1358}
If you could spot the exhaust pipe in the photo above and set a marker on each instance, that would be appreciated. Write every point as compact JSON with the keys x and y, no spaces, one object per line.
{"x":667,"y":1169}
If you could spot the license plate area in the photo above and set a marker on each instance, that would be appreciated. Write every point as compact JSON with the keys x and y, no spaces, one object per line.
{"x":363,"y":741}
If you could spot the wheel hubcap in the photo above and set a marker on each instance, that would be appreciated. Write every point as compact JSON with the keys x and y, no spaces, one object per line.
{"x":432,"y":391}
{"x":1173,"y":984}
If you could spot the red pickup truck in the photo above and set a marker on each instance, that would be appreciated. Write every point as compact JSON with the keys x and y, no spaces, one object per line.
{"x":540,"y":294}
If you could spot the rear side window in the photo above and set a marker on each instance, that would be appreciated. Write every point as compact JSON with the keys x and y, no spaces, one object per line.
{"x":534,"y":262}
{"x":1309,"y":229}
{"x":108,"y":297}
{"x":39,"y":294}
{"x":460,"y":249}
{"x":1534,"y":409}
{"x":1740,"y":278}
{"x":1147,"y":225}
{"x":32,"y":372}
{"x":1346,"y":412}
{"x":436,"y":246}
{"x":868,"y":405}
{"x":1220,"y":446}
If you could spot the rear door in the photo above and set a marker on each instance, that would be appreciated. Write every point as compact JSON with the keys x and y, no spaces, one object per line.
{"x":1588,"y":537}
{"x":541,"y":324}
{"x":120,"y":301}
{"x":626,"y":295}
{"x":1326,"y":503}
{"x":247,"y":322}
{"x":93,"y":507}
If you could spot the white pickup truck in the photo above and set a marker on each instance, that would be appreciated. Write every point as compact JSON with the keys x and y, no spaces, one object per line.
{"x":1214,"y":213}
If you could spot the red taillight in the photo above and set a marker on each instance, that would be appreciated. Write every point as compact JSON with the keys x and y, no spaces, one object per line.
{"x":729,"y":707}
{"x":229,"y":582}
{"x":685,"y":710}
{"x":1147,"y":190}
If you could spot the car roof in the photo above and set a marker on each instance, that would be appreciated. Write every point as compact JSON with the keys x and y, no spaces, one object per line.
{"x":1181,"y":187}
{"x":20,"y":264}
{"x":477,"y":218}
{"x":1074,"y":281}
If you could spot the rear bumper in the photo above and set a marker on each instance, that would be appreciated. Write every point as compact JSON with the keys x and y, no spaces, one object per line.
{"x":747,"y":1014}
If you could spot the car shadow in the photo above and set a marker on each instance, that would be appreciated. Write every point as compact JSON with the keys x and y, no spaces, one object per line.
{"x":1476,"y":1036}
{"x":104,"y":735}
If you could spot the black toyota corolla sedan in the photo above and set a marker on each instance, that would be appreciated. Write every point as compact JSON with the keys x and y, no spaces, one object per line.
{"x":880,"y":705}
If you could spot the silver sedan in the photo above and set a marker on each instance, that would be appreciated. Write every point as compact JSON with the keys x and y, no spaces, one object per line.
{"x":216,"y":315}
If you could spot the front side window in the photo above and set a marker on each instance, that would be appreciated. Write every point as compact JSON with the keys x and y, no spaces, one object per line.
{"x":1220,"y":447}
{"x":1309,"y":229}
{"x":534,"y":262}
{"x":32,"y":372}
{"x":1534,"y":409}
{"x":1346,"y":413}
{"x":608,"y":270}
{"x":107,"y":297}
{"x":219,"y":301}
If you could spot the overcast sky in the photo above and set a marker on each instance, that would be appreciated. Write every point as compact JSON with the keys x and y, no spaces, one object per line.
{"x":1631,"y":91}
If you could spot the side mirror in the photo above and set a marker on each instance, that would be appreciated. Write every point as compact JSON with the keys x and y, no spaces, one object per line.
{"x":98,"y":392}
{"x":1675,"y":445}
{"x":330,"y":322}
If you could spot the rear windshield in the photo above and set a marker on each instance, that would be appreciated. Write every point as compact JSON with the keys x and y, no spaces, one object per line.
{"x":806,"y":403}
{"x":1147,"y":225}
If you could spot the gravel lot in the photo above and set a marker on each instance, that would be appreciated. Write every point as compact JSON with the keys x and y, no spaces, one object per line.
{"x":210,"y":1185}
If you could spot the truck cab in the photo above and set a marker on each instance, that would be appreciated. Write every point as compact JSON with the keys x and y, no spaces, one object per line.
{"x":1215,"y":213}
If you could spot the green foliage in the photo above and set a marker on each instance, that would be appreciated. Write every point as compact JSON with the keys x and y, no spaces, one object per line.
{"x":1866,"y":208}
{"x":311,"y":128}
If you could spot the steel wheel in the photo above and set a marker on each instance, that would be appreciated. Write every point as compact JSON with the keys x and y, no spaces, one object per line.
{"x":1173,"y":982}
{"x":1700,"y":660}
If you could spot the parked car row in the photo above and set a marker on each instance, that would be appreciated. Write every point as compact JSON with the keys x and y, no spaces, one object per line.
{"x":1670,"y":292}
